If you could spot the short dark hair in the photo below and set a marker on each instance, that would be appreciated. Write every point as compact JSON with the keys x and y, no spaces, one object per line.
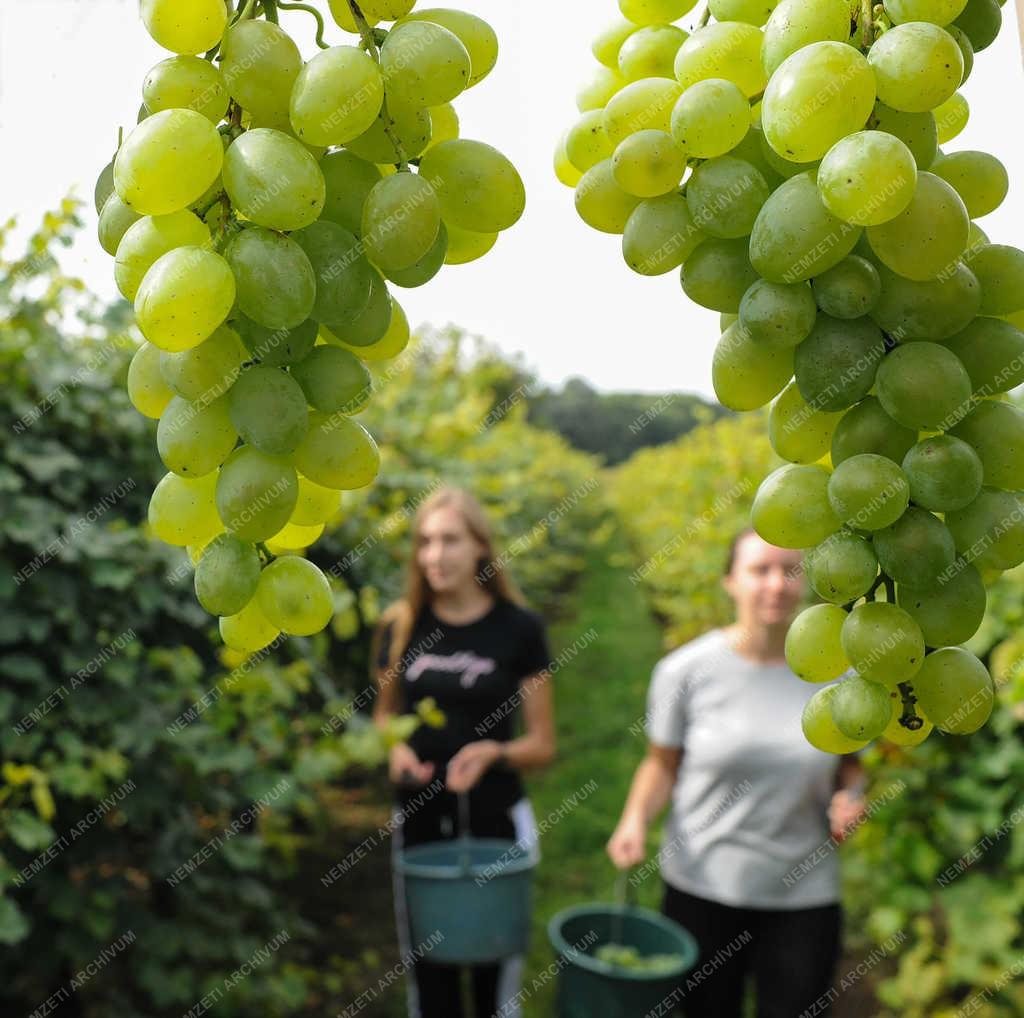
{"x":730,"y":558}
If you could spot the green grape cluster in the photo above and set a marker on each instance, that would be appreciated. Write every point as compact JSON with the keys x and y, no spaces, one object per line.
{"x":624,"y":956}
{"x":258,"y":215}
{"x":784,"y":158}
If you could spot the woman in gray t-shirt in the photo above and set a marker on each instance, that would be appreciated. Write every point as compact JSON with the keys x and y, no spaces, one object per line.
{"x":756,"y":812}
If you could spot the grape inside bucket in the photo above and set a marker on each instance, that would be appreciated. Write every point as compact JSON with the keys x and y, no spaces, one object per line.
{"x":260,"y":214}
{"x":784,"y":158}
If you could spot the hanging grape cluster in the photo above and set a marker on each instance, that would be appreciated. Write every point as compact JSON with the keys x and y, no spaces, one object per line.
{"x":257,"y":214}
{"x":784,"y":157}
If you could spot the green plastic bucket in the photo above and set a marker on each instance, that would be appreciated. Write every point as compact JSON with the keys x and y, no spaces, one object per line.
{"x":590,"y":988}
{"x":469,"y":898}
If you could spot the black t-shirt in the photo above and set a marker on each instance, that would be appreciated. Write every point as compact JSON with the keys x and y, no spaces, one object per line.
{"x":474,"y":672}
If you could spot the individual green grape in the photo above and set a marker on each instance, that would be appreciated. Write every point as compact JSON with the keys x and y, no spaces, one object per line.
{"x":1000,"y":271}
{"x":867,"y":177}
{"x":813,"y":647}
{"x":836,"y":365}
{"x":343,"y":274}
{"x":640,"y":105}
{"x":295,"y":596}
{"x":868,"y":492}
{"x":861,"y":709}
{"x":951,"y":117}
{"x":276,"y":347}
{"x":466,"y":246}
{"x":929,"y":236}
{"x":995,"y":432}
{"x":186,"y":82}
{"x":205,"y":371}
{"x":848,"y":290}
{"x":778,"y":314}
{"x":167,"y":162}
{"x":104,"y":186}
{"x":795,"y":24}
{"x":276,"y":282}
{"x":401,"y":218}
{"x":648,"y":164}
{"x":268,"y":410}
{"x":966,"y":49}
{"x":260,"y":63}
{"x":565,"y":170}
{"x":950,"y":610}
{"x":747,"y":375}
{"x":248,"y":630}
{"x":755,"y":150}
{"x":718,"y":273}
{"x":182,"y":510}
{"x":916,"y":549}
{"x":650,"y":52}
{"x":944,"y":473}
{"x":184,"y":26}
{"x":444,"y":124}
{"x":924,"y":386}
{"x":227,"y":575}
{"x":474,"y":33}
{"x":256,"y":493}
{"x":315,"y":504}
{"x":149,"y":238}
{"x":818,"y":95}
{"x":183,"y":297}
{"x":781,"y":168}
{"x":336,"y":97}
{"x":711,"y":117}
{"x":478,"y":188}
{"x":424,"y":64}
{"x":660,"y":235}
{"x":194,"y":439}
{"x":955,"y":690}
{"x":586,"y":144}
{"x":797,"y":431}
{"x":725,"y":195}
{"x":980,"y":179}
{"x":980,"y":21}
{"x":337,"y":453}
{"x":753,"y":12}
{"x":292,"y":537}
{"x":865,"y":428}
{"x":883,"y":643}
{"x":989,"y":532}
{"x":917,"y":66}
{"x":422,"y":271}
{"x":795,"y":236}
{"x":842,"y":568}
{"x":601,"y":203}
{"x":608,"y":42}
{"x":818,"y":727}
{"x":116,"y":219}
{"x":409,"y":124}
{"x":391,"y":344}
{"x":651,"y":12}
{"x":147,"y":390}
{"x":334,"y":379}
{"x":938,"y":12}
{"x":372,"y":323}
{"x":730,"y":50}
{"x":931,"y":309}
{"x":273,"y":180}
{"x":916,"y":130}
{"x":597,"y":90}
{"x":899,"y":735}
{"x":791,"y":507}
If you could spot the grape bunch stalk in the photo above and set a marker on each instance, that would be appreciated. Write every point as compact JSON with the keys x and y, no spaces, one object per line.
{"x":784,"y":156}
{"x":257,"y":214}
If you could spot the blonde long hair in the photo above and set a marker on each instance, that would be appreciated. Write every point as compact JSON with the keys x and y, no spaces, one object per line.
{"x":403,"y":613}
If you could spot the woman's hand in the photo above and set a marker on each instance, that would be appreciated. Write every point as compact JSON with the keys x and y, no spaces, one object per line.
{"x":845,"y":813}
{"x":406,"y":768}
{"x":627,"y":846}
{"x":467,"y":767}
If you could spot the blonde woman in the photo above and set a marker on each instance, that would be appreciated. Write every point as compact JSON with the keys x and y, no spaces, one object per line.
{"x":462,"y":635}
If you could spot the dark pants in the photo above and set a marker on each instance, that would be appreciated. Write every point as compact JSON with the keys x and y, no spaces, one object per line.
{"x":791,"y":955}
{"x":439,"y":987}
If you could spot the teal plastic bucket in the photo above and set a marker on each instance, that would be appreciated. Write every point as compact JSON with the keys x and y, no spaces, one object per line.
{"x":590,"y":988}
{"x":469,"y":898}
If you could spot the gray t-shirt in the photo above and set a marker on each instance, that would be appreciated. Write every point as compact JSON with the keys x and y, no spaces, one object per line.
{"x":748,"y":823}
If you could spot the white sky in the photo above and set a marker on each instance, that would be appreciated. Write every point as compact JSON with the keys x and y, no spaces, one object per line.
{"x":71,"y":71}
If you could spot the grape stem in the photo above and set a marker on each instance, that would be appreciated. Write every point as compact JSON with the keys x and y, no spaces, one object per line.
{"x":265,"y":552}
{"x":270,"y":10}
{"x":867,"y":33}
{"x":285,"y":6}
{"x":705,"y":17}
{"x":909,"y":719}
{"x":890,"y":589}
{"x":370,"y":45}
